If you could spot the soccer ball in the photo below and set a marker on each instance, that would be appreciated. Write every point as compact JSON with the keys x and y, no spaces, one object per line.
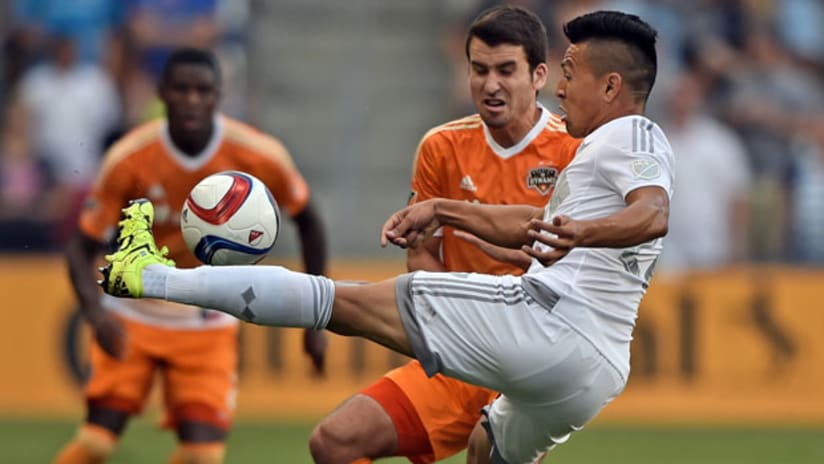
{"x":230,"y":218}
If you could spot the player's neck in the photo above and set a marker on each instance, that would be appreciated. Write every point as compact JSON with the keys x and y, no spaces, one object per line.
{"x":192,"y":144}
{"x":517,"y":129}
{"x":618,"y":111}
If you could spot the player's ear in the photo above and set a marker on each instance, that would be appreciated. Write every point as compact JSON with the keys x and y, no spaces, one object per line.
{"x":539,"y":76}
{"x":613,"y":82}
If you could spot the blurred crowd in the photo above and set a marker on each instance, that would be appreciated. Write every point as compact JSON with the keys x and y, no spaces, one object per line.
{"x":739,"y":92}
{"x":77,"y":75}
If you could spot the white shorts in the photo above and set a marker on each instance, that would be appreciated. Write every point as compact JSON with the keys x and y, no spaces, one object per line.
{"x":486,"y":330}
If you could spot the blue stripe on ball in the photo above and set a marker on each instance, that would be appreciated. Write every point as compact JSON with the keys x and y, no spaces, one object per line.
{"x":210,"y":244}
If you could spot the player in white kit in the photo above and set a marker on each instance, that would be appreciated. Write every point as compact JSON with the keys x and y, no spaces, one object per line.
{"x":555,"y":341}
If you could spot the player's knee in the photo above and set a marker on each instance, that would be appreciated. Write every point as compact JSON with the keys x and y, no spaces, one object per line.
{"x":198,"y":423}
{"x":198,"y":453}
{"x":98,"y":440}
{"x":333,"y":442}
{"x":329,"y":442}
{"x":478,"y":446}
{"x":92,"y":445}
{"x":360,"y":428}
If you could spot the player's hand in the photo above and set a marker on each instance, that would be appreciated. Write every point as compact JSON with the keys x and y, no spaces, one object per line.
{"x":410,"y":226}
{"x":315,"y":343}
{"x":563,"y":235}
{"x":109,"y":334}
{"x":502,"y":254}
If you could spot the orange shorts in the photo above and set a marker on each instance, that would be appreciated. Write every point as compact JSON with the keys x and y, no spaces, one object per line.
{"x":198,"y":369}
{"x":448,"y":410}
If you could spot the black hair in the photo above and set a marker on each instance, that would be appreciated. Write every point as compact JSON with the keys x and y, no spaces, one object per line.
{"x":511,"y":25}
{"x":190,"y":56}
{"x":638,"y":67}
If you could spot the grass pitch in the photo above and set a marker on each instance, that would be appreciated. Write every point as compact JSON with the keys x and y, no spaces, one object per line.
{"x":36,"y":441}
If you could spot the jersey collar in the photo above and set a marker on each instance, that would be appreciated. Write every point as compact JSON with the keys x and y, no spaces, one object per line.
{"x":528,"y":138}
{"x":606,"y":126}
{"x":197,"y":161}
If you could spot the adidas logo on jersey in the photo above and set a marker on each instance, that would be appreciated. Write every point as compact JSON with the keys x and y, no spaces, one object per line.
{"x":467,"y":184}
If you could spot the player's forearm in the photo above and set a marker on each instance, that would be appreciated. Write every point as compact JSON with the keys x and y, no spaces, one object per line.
{"x":312,"y":241}
{"x":502,"y":225}
{"x":634,"y":225}
{"x":80,"y":255}
{"x":422,"y":259}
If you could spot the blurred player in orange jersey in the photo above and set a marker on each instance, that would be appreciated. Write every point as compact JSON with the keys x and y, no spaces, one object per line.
{"x":509,"y":153}
{"x":194,"y":349}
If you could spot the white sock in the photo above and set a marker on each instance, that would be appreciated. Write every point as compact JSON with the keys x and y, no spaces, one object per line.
{"x":266,"y":295}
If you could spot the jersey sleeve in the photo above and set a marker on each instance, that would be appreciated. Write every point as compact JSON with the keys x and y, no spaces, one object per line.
{"x":278,"y":171}
{"x":426,"y":172}
{"x":627,"y":170}
{"x":109,"y":195}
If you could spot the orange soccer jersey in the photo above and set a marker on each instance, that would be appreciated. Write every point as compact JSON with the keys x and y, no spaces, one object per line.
{"x":198,"y":348}
{"x":460,"y":160}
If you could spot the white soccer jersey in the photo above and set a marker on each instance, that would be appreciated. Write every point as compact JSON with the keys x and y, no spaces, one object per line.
{"x":606,"y":284}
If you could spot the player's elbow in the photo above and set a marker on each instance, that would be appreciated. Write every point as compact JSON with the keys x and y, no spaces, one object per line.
{"x":660,"y":230}
{"x":660,"y":223}
{"x":655,"y":223}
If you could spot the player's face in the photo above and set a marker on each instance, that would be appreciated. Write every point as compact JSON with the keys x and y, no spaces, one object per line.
{"x":190,"y":94}
{"x":579,"y":92}
{"x":503,"y":88}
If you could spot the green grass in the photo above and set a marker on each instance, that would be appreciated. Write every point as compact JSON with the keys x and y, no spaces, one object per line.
{"x":31,"y":441}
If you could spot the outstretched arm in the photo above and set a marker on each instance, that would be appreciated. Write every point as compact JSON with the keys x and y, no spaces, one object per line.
{"x":502,"y":225}
{"x":505,"y":255}
{"x":645,"y":218}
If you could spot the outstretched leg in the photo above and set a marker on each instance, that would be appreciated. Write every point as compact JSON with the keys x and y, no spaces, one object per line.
{"x":266,"y":295}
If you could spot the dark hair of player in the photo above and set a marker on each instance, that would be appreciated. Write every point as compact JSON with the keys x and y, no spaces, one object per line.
{"x":628,"y":47}
{"x":190,"y":56}
{"x":514,"y":26}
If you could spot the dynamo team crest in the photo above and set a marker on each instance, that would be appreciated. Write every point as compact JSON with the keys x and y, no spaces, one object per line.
{"x":542,"y":179}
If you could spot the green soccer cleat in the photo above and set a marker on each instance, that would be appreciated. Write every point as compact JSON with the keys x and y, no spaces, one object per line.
{"x":136,"y":249}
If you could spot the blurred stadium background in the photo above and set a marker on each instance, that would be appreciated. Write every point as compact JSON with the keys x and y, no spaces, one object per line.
{"x":728,"y":361}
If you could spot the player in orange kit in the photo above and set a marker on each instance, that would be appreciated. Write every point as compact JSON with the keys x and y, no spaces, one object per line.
{"x":194,"y":349}
{"x":509,"y":153}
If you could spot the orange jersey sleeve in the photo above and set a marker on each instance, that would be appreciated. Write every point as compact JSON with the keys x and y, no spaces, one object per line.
{"x":459,"y":160}
{"x":428,"y":167}
{"x":145,"y":164}
{"x":115,"y":182}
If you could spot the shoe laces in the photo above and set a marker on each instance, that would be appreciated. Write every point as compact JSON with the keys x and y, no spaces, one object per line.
{"x":131,"y":226}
